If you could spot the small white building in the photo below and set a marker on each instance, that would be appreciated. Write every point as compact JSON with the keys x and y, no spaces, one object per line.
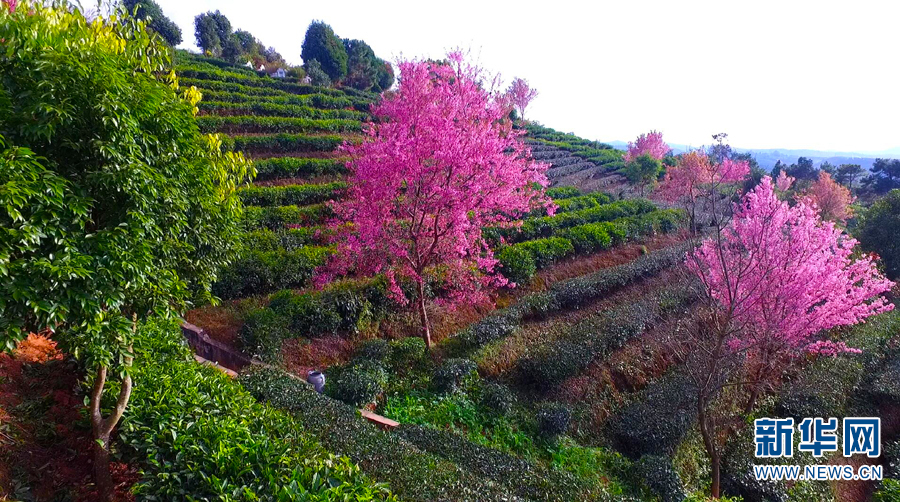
{"x":306,"y":80}
{"x":279,"y":73}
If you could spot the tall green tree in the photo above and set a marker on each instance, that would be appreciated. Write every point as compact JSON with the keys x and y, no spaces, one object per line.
{"x":643,"y":171}
{"x":114,"y":208}
{"x":878,"y":231}
{"x":144,"y":9}
{"x":212,"y":31}
{"x":848,"y":173}
{"x":324,"y":46}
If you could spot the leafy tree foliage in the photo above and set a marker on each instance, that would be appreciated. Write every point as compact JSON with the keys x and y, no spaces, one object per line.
{"x":846,"y":174}
{"x":213,"y":32}
{"x":643,"y":170}
{"x":885,"y":175}
{"x":316,"y":74}
{"x":441,"y":164}
{"x":143,"y":9}
{"x":365,"y":71}
{"x":324,"y":46}
{"x":115,"y":208}
{"x":878,"y":231}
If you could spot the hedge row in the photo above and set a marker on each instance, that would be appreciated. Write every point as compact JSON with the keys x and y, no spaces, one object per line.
{"x":658,"y":420}
{"x":268,"y":125}
{"x":548,"y":226}
{"x":219,"y":103}
{"x":219,"y":75}
{"x":183,"y":57}
{"x":559,"y":193}
{"x":521,"y":261}
{"x":411,"y":473}
{"x":519,"y":476}
{"x":548,"y":134}
{"x":283,"y":143}
{"x":588,"y":201}
{"x":297,"y":167}
{"x":315,"y":100}
{"x":292,"y":195}
{"x":198,"y":435}
{"x":278,"y":217}
{"x":264,"y":239}
{"x":259,"y":272}
{"x":570,"y":294}
{"x":597,"y":337}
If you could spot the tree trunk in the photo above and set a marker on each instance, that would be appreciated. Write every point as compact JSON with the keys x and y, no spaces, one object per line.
{"x":709,"y":442}
{"x":423,"y":315}
{"x":102,"y":428}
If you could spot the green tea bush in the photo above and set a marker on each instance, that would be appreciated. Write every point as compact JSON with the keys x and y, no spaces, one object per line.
{"x":190,"y":72}
{"x":291,"y":167}
{"x":452,"y":374}
{"x":262,"y":333}
{"x":658,"y":419}
{"x":546,"y":226}
{"x":559,"y":193}
{"x":527,"y":480}
{"x":407,"y":353}
{"x":553,"y":420}
{"x":375,"y":350}
{"x":517,"y":264}
{"x":591,"y":200}
{"x":569,"y":294}
{"x":197,"y":435}
{"x":659,"y":474}
{"x":258,"y":272}
{"x":269,"y":125}
{"x":547,"y":251}
{"x":413,"y":474}
{"x":283,"y":143}
{"x":594,"y":338}
{"x":229,"y":103}
{"x":358,"y":384}
{"x":292,"y":195}
{"x":278,"y":217}
{"x":497,"y":399}
{"x":289,"y":239}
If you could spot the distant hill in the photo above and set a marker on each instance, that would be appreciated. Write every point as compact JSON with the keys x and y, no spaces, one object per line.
{"x":767,"y":157}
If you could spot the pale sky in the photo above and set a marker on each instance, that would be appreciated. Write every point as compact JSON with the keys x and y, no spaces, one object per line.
{"x":772,"y":74}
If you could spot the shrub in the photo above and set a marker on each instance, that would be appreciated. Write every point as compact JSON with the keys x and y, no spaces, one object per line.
{"x":588,"y":201}
{"x":497,"y":399}
{"x":517,"y":264}
{"x":656,"y":422}
{"x":547,"y":251}
{"x":452,"y":374}
{"x":413,"y":474}
{"x":888,"y":491}
{"x":659,"y":474}
{"x":407,"y":352}
{"x":358,"y":385}
{"x":262,"y":333}
{"x":559,"y":193}
{"x":375,"y":350}
{"x":199,"y":435}
{"x":553,"y":420}
{"x":546,"y":226}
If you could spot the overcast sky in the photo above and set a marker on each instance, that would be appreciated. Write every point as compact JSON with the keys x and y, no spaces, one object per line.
{"x":772,"y":74}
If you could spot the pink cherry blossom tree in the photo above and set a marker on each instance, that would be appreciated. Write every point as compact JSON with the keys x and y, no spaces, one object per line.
{"x":440,"y":163}
{"x":651,"y":144}
{"x":775,"y":279}
{"x":698,"y":183}
{"x":520,"y":95}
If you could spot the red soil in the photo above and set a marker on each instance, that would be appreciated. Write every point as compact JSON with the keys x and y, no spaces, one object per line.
{"x":45,"y":443}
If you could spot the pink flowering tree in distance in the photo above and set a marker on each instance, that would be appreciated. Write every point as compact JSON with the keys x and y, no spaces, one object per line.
{"x":831,"y":198}
{"x":643,"y":160}
{"x":520,"y":95}
{"x":776,"y":278}
{"x":651,"y":144}
{"x":697,"y":183}
{"x":440,"y":163}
